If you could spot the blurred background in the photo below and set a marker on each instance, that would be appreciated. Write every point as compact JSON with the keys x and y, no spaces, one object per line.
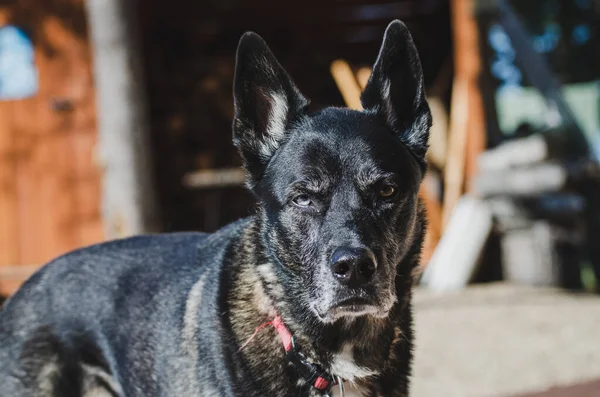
{"x":115,"y":119}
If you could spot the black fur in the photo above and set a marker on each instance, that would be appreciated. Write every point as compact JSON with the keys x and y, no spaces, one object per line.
{"x":173,"y":314}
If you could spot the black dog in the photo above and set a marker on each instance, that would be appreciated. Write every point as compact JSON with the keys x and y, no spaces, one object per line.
{"x":310,"y":295}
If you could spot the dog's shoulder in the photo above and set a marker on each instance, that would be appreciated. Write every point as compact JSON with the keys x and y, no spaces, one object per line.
{"x":107,"y":262}
{"x":135,"y":268}
{"x":150,"y":252}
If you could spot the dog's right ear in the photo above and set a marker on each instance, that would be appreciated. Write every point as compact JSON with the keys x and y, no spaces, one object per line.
{"x":266,"y":103}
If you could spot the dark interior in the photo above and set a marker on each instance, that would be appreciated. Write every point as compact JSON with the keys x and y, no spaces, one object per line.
{"x":189,"y":50}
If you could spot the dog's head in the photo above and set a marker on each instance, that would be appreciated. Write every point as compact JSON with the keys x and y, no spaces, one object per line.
{"x":338,"y":188}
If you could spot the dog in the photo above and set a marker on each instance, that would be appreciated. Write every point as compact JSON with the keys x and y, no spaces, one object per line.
{"x":311,"y":296}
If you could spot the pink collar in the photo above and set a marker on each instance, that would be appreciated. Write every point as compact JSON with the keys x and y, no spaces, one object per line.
{"x":313,"y":374}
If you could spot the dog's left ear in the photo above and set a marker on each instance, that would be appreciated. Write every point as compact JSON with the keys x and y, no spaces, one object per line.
{"x":266,"y":104}
{"x":396,"y":90}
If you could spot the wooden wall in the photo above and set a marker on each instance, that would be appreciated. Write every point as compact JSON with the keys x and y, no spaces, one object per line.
{"x":49,"y":182}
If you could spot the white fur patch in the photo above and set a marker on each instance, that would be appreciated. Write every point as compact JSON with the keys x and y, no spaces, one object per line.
{"x":262,"y":301}
{"x":266,"y":271}
{"x":277,"y":116}
{"x":189,"y":343}
{"x":46,"y":376}
{"x":190,"y":318}
{"x":276,"y":125}
{"x":106,"y":378}
{"x":390,"y":113}
{"x":343,"y":365}
{"x":386,"y":88}
{"x":97,"y":392}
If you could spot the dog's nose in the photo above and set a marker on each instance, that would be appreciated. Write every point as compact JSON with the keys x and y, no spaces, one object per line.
{"x":353,"y":266}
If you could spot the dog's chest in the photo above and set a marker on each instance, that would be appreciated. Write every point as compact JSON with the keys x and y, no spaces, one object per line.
{"x":345,"y":366}
{"x":350,"y":390}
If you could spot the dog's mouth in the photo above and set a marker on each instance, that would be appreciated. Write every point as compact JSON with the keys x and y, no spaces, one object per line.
{"x":353,"y":304}
{"x":353,"y":307}
{"x":350,"y":307}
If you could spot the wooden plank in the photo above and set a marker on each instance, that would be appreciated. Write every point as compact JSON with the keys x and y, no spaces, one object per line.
{"x":71,"y":88}
{"x":438,"y":139}
{"x":468,"y":67}
{"x":9,"y":225}
{"x":476,"y":136}
{"x":85,"y":177}
{"x":455,"y":161}
{"x":9,"y":222}
{"x":467,"y":129}
{"x":44,"y":165}
{"x":467,"y":63}
{"x":347,"y":84}
{"x":129,"y":199}
{"x":58,"y":181}
{"x":457,"y":255}
{"x":215,"y":178}
{"x":362,"y":75}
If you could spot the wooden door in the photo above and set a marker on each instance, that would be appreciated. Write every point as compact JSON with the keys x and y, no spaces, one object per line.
{"x":49,"y":182}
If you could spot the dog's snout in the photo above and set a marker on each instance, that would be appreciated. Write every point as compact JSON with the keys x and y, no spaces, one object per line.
{"x":353,"y":266}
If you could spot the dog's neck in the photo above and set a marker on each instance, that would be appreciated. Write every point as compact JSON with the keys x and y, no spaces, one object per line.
{"x":343,"y":348}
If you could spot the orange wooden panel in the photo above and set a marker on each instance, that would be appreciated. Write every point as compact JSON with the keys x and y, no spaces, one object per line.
{"x":87,"y":175}
{"x":9,"y":226}
{"x":55,"y":182}
{"x":59,"y":184}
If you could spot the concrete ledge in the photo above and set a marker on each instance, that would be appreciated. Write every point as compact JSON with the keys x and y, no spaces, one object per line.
{"x":499,"y":340}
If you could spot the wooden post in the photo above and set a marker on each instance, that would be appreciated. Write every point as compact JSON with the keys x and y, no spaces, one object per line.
{"x":129,"y":204}
{"x":347,"y":84}
{"x":467,"y":127}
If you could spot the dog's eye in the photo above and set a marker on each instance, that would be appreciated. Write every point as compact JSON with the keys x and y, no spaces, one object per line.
{"x":387,"y":191}
{"x":302,"y":200}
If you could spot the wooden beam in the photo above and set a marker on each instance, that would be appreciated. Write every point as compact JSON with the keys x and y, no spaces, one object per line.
{"x":129,"y":200}
{"x":457,"y":142}
{"x":215,"y":178}
{"x":467,"y":127}
{"x":476,"y":136}
{"x":362,"y":75}
{"x":347,"y":83}
{"x":457,"y":255}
